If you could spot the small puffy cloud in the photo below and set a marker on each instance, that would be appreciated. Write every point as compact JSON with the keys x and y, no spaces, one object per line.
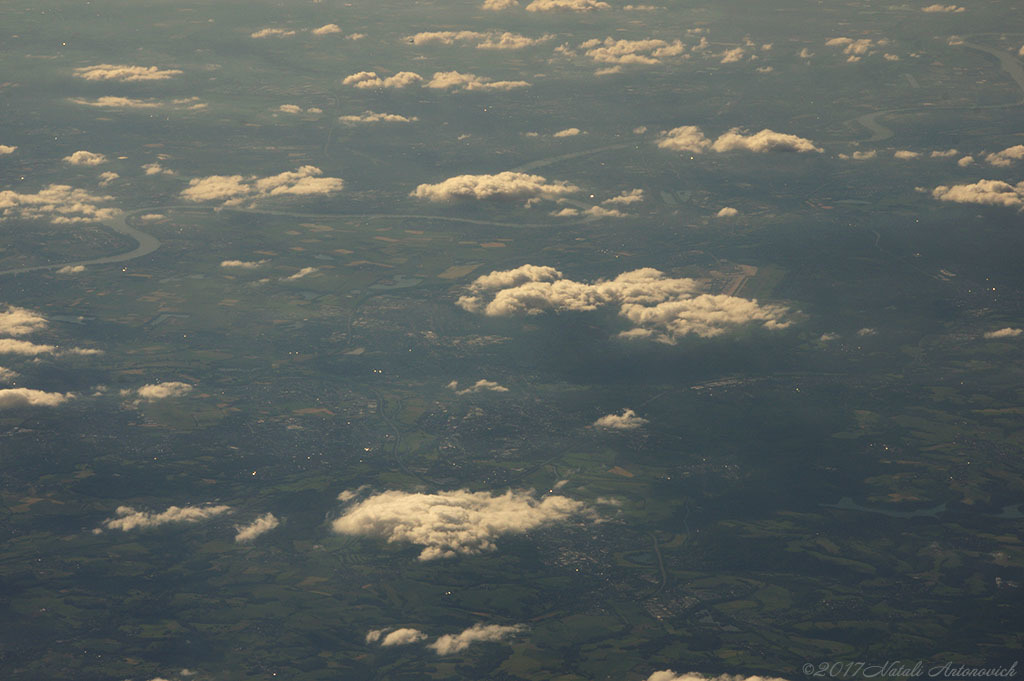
{"x":373,"y":635}
{"x":156,"y":169}
{"x":762,"y":142}
{"x":684,"y":138}
{"x":444,"y":37}
{"x":732,"y":56}
{"x":498,"y":5}
{"x":290,"y":108}
{"x":727,"y":212}
{"x":906,"y":155}
{"x":805,"y":54}
{"x":644,"y":52}
{"x":566,"y":5}
{"x":860,"y":155}
{"x":480,"y":386}
{"x":506,"y":185}
{"x":242,"y":264}
{"x":58,"y":203}
{"x":160,"y":391}
{"x":234,"y":189}
{"x":152,"y":217}
{"x":1007,"y":332}
{"x":463,"y":82}
{"x":304,"y":272}
{"x":459,"y":522}
{"x":71,"y":269}
{"x":984,"y":192}
{"x":511,"y":41}
{"x":127,"y":518}
{"x":108,"y":177}
{"x":11,"y":346}
{"x":625,"y":198}
{"x":118,"y":103}
{"x":627,"y":420}
{"x":943,"y":9}
{"x":600,"y":212}
{"x":944,"y":154}
{"x":828,"y":337}
{"x":124,"y":73}
{"x":7,"y":149}
{"x":272,"y":33}
{"x":965,"y":161}
{"x":326,"y":29}
{"x":11,"y":398}
{"x":369,"y":80}
{"x":1006,"y":157}
{"x":449,"y":644}
{"x":85,"y":158}
{"x":640,"y":8}
{"x":858,"y":48}
{"x":402,"y":637}
{"x":19,"y":321}
{"x":371,"y":117}
{"x":265,"y":523}
{"x":866,"y":332}
{"x":568,"y":132}
{"x":669,"y":675}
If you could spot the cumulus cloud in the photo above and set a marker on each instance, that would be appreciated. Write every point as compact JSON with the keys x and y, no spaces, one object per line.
{"x":568,"y":132}
{"x":449,"y":644}
{"x":156,"y":169}
{"x":11,"y":346}
{"x":669,"y":675}
{"x":125,"y":73}
{"x":265,"y":523}
{"x":856,"y":48}
{"x":464,"y":82}
{"x":118,"y":103}
{"x":732,"y":56}
{"x":965,"y":161}
{"x":235,"y":189}
{"x":127,"y":518}
{"x":505,"y":185}
{"x":657,"y":307}
{"x":161,"y":391}
{"x":11,"y":398}
{"x":402,"y":637}
{"x":644,"y":52}
{"x":625,"y":198}
{"x":906,"y":155}
{"x":272,"y":33}
{"x":1008,"y":332}
{"x":1006,"y":157}
{"x":511,"y":41}
{"x":943,"y":8}
{"x":684,"y":138}
{"x":762,"y":142}
{"x":7,"y":149}
{"x":727,"y":212}
{"x":369,"y":80}
{"x":566,"y":5}
{"x":480,"y":386}
{"x":371,"y":117}
{"x":944,"y":153}
{"x":19,"y":321}
{"x":58,"y":203}
{"x":243,"y":264}
{"x":453,"y":523}
{"x":85,"y":158}
{"x":71,"y":269}
{"x":498,"y":5}
{"x":326,"y":29}
{"x":984,"y":192}
{"x":107,"y":177}
{"x":599,"y":212}
{"x":627,"y":420}
{"x":304,"y":272}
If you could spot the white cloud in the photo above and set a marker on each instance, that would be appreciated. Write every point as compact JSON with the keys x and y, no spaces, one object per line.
{"x":125,"y":73}
{"x":326,"y":29}
{"x":659,"y":308}
{"x":627,"y":420}
{"x":644,"y":52}
{"x":234,"y":189}
{"x":370,"y":79}
{"x":156,"y":169}
{"x":856,"y":48}
{"x":943,"y":8}
{"x":464,"y":82}
{"x":640,"y":8}
{"x":1006,"y":157}
{"x":599,"y":212}
{"x":511,"y":41}
{"x":304,"y":272}
{"x":506,"y":185}
{"x":449,"y":644}
{"x":108,"y":177}
{"x":373,"y":635}
{"x":1008,"y":332}
{"x":860,"y":155}
{"x":85,"y":158}
{"x":905,"y":155}
{"x":10,"y":346}
{"x":669,"y":675}
{"x":684,"y":138}
{"x":985,"y":192}
{"x":371,"y":117}
{"x":58,"y":203}
{"x":480,"y":386}
{"x":243,"y":264}
{"x":727,"y":212}
{"x":444,"y":37}
{"x":7,"y":149}
{"x":944,"y":154}
{"x":19,"y":321}
{"x":290,"y":108}
{"x":272,"y":33}
{"x":965,"y":161}
{"x":568,"y":132}
{"x":127,"y":518}
{"x":828,"y":337}
{"x":625,"y":198}
{"x":566,"y":5}
{"x":11,"y":398}
{"x":866,"y":332}
{"x":451,"y":523}
{"x":805,"y":54}
{"x":161,"y":391}
{"x":732,"y":56}
{"x":71,"y":269}
{"x":402,"y":637}
{"x":763,"y":141}
{"x":118,"y":103}
{"x":498,"y":5}
{"x":265,"y":523}
{"x":152,"y":217}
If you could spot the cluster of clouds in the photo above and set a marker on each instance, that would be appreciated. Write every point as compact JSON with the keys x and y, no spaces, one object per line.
{"x":507,"y":185}
{"x":691,"y":138}
{"x":490,"y":40}
{"x":128,"y":519}
{"x":984,"y":192}
{"x":234,"y":190}
{"x":372,"y":117}
{"x":125,"y":73}
{"x":151,"y":392}
{"x":326,"y":29}
{"x":14,"y":323}
{"x":85,"y":158}
{"x":1007,"y":157}
{"x":657,"y":307}
{"x":458,"y":522}
{"x":61,"y":204}
{"x":480,"y":386}
{"x":296,"y":109}
{"x":441,"y":80}
{"x":646,"y":52}
{"x":548,"y":5}
{"x":627,"y":420}
{"x":857,"y":48}
{"x":448,"y":644}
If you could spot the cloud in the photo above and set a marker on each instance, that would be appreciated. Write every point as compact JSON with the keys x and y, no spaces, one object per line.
{"x":627,"y":420}
{"x":684,"y":138}
{"x":659,"y":308}
{"x":643,"y":52}
{"x":943,"y":8}
{"x":125,"y":73}
{"x":445,"y":37}
{"x":464,"y":82}
{"x":505,"y":185}
{"x":127,"y":518}
{"x":10,"y":346}
{"x":965,"y":161}
{"x":156,"y":169}
{"x":944,"y":154}
{"x":480,"y":386}
{"x":402,"y":637}
{"x":290,"y":108}
{"x":71,"y":269}
{"x":805,"y":54}
{"x":85,"y":158}
{"x":160,"y":391}
{"x":732,"y":56}
{"x":453,"y":523}
{"x":905,"y":155}
{"x":856,"y":48}
{"x":304,"y":272}
{"x":272,"y":33}
{"x":449,"y":644}
{"x":7,"y":375}
{"x":625,"y":198}
{"x":370,"y":79}
{"x":984,"y":192}
{"x":19,"y":321}
{"x":326,"y":29}
{"x":7,"y":149}
{"x":568,"y":132}
{"x":762,"y":142}
{"x":1006,"y":157}
{"x":498,"y":5}
{"x":371,"y":117}
{"x":669,"y":675}
{"x":234,"y":189}
{"x":243,"y":264}
{"x":1007,"y":332}
{"x":511,"y":41}
{"x":11,"y":398}
{"x":566,"y":5}
{"x":107,"y":177}
{"x":727,"y":212}
{"x":265,"y":523}
{"x":58,"y":203}
{"x":119,"y":103}
{"x":866,"y":332}
{"x":599,"y":212}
